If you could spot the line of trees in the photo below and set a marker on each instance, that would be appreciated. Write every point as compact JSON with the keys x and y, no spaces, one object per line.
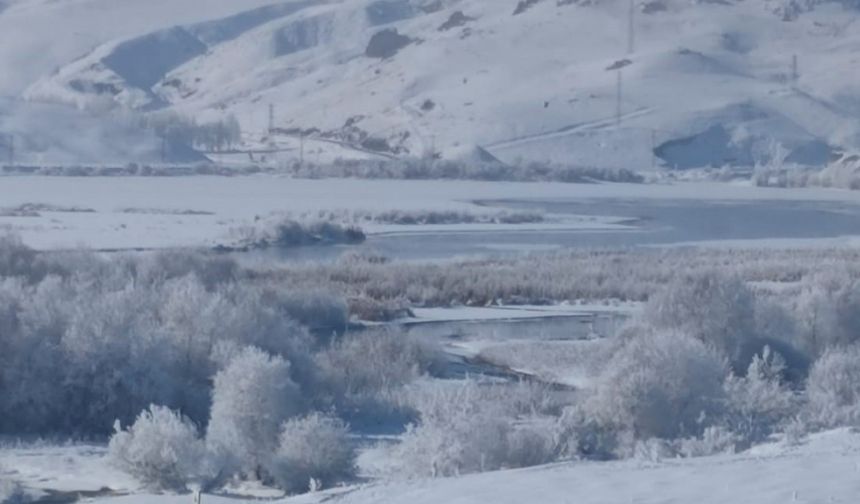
{"x":213,"y":136}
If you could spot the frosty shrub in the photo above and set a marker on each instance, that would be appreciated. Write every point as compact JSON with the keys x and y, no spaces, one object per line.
{"x":816,"y":315}
{"x":287,"y":233}
{"x":460,"y":445}
{"x":833,"y":388}
{"x":317,"y":310}
{"x":86,"y":338}
{"x":465,"y":429}
{"x":365,"y":372}
{"x":423,"y":168}
{"x":12,"y":493}
{"x":16,"y":259}
{"x":660,"y":384}
{"x":829,"y":312}
{"x":315,"y":447}
{"x":760,"y":402}
{"x":163,"y":450}
{"x":252,"y":397}
{"x":534,"y":440}
{"x":583,"y":436}
{"x":370,"y":362}
{"x":715,"y":309}
{"x":713,"y":441}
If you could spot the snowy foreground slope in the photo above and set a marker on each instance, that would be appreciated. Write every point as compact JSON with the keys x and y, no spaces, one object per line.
{"x":827,"y":469}
{"x":707,"y":83}
{"x":824,"y":469}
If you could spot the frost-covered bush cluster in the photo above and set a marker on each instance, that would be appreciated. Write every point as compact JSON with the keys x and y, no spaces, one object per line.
{"x":252,"y":396}
{"x":264,"y":426}
{"x":87,"y":339}
{"x":12,"y":493}
{"x":219,"y":135}
{"x":426,"y":217}
{"x":372,"y":363}
{"x":472,"y":426}
{"x":162,"y":449}
{"x":313,"y":452}
{"x":834,"y":388}
{"x":215,"y":372}
{"x":659,"y":384}
{"x":843,"y":173}
{"x":426,"y":168}
{"x":133,"y":170}
{"x":205,"y":371}
{"x":556,"y":277}
{"x":712,"y":365}
{"x":700,"y":373}
{"x":287,"y":233}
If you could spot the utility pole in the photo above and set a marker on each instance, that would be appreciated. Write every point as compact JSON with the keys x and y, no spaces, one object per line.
{"x":618,"y":94}
{"x":10,"y":139}
{"x":631,"y":28}
{"x":795,"y":73}
{"x":271,"y":118}
{"x":302,"y":148}
{"x":653,"y":149}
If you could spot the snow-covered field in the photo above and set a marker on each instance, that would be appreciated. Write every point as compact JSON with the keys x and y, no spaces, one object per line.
{"x":823,"y":469}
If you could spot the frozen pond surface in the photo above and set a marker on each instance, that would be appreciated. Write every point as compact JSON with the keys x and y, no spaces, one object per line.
{"x":656,"y":223}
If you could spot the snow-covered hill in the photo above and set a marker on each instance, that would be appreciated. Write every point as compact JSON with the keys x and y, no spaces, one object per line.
{"x":823,"y":470}
{"x":706,"y":83}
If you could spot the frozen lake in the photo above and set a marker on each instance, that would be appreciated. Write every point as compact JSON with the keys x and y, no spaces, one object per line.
{"x":655,"y":222}
{"x":122,"y":213}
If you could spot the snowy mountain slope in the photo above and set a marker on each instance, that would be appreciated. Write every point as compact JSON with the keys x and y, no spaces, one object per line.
{"x":709,"y":83}
{"x":40,"y":36}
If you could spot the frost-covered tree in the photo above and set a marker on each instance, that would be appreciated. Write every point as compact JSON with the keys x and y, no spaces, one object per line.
{"x":315,"y":447}
{"x":660,"y":384}
{"x":833,"y":388}
{"x":471,"y":427}
{"x":372,"y":362}
{"x":760,"y":401}
{"x":251,"y":399}
{"x":828,"y":312}
{"x":715,"y":309}
{"x":163,"y":450}
{"x":11,"y":492}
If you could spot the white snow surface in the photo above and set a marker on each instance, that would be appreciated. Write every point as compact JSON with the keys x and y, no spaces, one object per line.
{"x":63,"y":468}
{"x":202,"y":211}
{"x":823,"y":469}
